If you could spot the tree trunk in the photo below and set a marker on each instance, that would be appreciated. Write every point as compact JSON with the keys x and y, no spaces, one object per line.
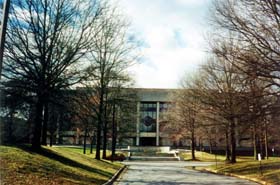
{"x":91,"y":144}
{"x":266,"y":140}
{"x":53,"y":129}
{"x":233,"y":141}
{"x":98,"y":131}
{"x":210,"y":146}
{"x":30,"y":123}
{"x":5,"y":15}
{"x":114,"y":134}
{"x":51,"y":139}
{"x":261,"y":146}
{"x":255,"y":142}
{"x":59,"y":129}
{"x":45,"y":124}
{"x":10,"y":127}
{"x":36,"y":140}
{"x":193,"y":147}
{"x":105,"y":130}
{"x":193,"y":141}
{"x":85,"y":139}
{"x":227,"y":146}
{"x":199,"y":143}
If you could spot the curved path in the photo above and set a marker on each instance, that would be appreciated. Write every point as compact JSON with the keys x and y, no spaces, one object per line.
{"x":163,"y":173}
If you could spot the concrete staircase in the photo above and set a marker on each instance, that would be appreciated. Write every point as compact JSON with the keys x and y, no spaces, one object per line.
{"x":152,"y":154}
{"x":153,"y":158}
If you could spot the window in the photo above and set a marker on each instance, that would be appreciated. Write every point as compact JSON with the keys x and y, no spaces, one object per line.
{"x":164,"y":106}
{"x":148,"y":113}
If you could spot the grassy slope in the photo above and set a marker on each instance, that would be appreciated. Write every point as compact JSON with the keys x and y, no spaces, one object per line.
{"x":52,"y":166}
{"x":202,"y":156}
{"x":245,"y":166}
{"x":251,"y":168}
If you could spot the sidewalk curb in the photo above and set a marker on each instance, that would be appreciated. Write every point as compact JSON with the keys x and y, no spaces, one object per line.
{"x":234,"y":175}
{"x":110,"y":182}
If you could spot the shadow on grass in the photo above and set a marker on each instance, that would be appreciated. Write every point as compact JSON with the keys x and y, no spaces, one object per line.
{"x":249,"y":169}
{"x":66,"y":161}
{"x":194,"y":160}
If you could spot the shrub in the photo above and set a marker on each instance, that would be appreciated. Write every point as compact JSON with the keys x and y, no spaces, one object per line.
{"x":117,"y":157}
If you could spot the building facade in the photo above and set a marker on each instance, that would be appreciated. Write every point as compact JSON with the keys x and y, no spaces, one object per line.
{"x":151,"y":116}
{"x":149,"y":125}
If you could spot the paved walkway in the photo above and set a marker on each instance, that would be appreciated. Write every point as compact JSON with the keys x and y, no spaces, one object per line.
{"x":174,"y":173}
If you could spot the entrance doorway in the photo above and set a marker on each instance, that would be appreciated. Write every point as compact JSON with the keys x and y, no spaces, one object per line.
{"x":148,"y":141}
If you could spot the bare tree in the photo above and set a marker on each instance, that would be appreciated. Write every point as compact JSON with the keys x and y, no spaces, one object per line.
{"x":109,"y":61}
{"x":125,"y":115}
{"x":220,"y":88}
{"x":255,"y":26}
{"x":185,"y":112}
{"x":83,"y":103}
{"x":258,"y":89}
{"x":46,"y":41}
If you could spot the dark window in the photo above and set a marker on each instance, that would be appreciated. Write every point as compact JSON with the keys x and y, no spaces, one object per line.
{"x":148,"y":113}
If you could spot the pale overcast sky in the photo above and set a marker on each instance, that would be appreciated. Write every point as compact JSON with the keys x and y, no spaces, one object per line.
{"x":172,"y":33}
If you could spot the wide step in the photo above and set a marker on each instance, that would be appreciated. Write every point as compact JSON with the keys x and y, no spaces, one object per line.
{"x":153,"y":158}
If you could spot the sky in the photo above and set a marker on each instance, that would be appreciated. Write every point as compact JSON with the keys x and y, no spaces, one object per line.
{"x":172,"y":33}
{"x":172,"y":36}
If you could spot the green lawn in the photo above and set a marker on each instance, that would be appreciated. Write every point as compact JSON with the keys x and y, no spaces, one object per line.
{"x":251,"y":168}
{"x":53,"y":165}
{"x":202,"y":156}
{"x":245,"y":166}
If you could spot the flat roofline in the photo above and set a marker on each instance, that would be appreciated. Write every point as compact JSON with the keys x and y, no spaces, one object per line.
{"x":155,"y":89}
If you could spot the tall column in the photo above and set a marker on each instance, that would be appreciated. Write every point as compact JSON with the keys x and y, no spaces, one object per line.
{"x":157,"y":125}
{"x":6,"y":7}
{"x":138,"y":124}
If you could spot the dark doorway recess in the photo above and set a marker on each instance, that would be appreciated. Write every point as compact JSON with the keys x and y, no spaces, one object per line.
{"x":148,"y":141}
